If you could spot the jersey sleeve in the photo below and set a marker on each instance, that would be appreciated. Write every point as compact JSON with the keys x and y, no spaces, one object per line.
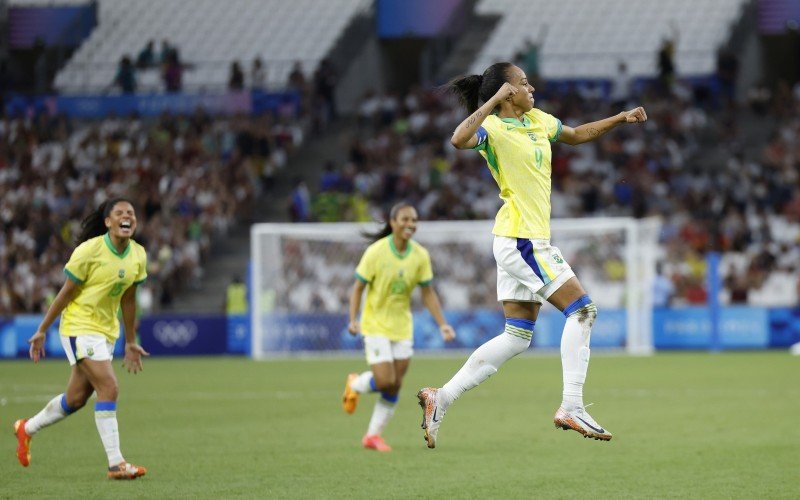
{"x":426,"y":270}
{"x":77,"y":268}
{"x":551,"y":124}
{"x":142,"y":276}
{"x":365,"y":271}
{"x":485,"y":132}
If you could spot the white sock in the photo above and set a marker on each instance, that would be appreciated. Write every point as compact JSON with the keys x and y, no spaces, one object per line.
{"x":364,"y":383}
{"x":575,"y":350}
{"x":487,"y":359}
{"x":53,"y":412}
{"x":105,"y":416}
{"x":383,"y":412}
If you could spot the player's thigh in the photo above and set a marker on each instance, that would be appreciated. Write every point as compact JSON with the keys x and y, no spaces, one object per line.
{"x":400,"y":370}
{"x":567,"y":293}
{"x":521,"y":310}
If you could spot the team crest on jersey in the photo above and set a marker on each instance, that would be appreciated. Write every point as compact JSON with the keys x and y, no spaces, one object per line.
{"x":90,"y":352}
{"x":558,"y":258}
{"x":532,"y":135}
{"x":121,"y":273}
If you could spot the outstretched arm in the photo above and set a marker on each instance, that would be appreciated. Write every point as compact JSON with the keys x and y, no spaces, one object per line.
{"x":431,"y":301}
{"x":591,"y":131}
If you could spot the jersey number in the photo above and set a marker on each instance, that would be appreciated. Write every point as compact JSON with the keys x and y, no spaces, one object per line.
{"x":538,"y":155}
{"x":116,"y":290}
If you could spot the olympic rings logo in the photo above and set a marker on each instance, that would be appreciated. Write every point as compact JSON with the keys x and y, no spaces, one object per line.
{"x":175,"y":333}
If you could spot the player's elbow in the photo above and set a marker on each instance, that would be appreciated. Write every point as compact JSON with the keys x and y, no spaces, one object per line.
{"x":458,"y":142}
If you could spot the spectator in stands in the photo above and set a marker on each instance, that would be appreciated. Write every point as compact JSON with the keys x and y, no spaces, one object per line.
{"x":125,"y":78}
{"x":166,"y":51}
{"x":236,"y":78}
{"x":300,"y":203}
{"x":325,"y":79}
{"x":258,"y":75}
{"x":236,"y":297}
{"x":297,"y":79}
{"x":666,"y":61}
{"x":147,"y":56}
{"x":172,"y":72}
{"x":621,"y":86}
{"x":727,"y":74}
{"x":663,"y":288}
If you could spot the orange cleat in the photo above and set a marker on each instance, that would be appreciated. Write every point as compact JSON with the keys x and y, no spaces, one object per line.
{"x":23,"y":443}
{"x":375,"y":442}
{"x":350,"y":397}
{"x":126,"y":471}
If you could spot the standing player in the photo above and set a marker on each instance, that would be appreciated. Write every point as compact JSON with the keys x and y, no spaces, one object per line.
{"x":514,"y":138}
{"x":102,"y":275}
{"x":392,"y":266}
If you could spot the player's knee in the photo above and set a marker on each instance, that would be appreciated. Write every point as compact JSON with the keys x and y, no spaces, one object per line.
{"x":583,"y":309}
{"x":108,"y":391}
{"x":385,"y":384}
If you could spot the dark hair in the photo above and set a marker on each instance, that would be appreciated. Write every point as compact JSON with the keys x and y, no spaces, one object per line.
{"x":387,"y":227}
{"x":473,"y":89}
{"x":94,"y":224}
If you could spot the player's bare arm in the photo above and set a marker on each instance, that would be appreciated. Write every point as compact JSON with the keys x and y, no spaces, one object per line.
{"x":133,"y":351}
{"x":591,"y":131}
{"x":464,"y":136}
{"x":64,"y":297}
{"x":354,"y":327}
{"x":431,"y":300}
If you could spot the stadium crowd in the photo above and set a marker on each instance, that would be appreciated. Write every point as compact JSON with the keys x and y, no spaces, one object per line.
{"x":189,"y":177}
{"x":692,"y":165}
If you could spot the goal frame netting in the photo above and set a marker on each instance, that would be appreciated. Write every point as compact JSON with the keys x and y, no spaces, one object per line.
{"x":639,"y":253}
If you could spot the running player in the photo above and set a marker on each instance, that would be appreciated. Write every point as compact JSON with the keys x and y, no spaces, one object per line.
{"x":514,"y":138}
{"x":389,"y":269}
{"x":102,"y":275}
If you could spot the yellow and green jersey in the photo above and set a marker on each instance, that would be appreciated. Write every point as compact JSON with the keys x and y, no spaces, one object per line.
{"x":103,"y":275}
{"x":391,"y":277}
{"x":518,"y":154}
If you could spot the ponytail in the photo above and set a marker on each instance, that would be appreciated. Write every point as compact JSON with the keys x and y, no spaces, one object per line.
{"x":473,"y":89}
{"x":387,"y":227}
{"x":94,"y":224}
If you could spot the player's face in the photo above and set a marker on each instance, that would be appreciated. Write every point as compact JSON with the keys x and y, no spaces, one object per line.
{"x":404,"y":224}
{"x":121,"y":221}
{"x":524,"y":98}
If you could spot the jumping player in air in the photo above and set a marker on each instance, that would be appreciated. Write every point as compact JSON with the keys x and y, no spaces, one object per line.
{"x":514,"y":138}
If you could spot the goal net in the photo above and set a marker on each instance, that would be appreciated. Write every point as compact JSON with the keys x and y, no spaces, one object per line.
{"x":302,"y":275}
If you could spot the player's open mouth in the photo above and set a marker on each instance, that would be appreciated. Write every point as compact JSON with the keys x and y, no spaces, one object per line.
{"x":126,"y":225}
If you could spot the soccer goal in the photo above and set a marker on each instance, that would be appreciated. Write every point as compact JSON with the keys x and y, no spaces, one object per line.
{"x":302,"y":275}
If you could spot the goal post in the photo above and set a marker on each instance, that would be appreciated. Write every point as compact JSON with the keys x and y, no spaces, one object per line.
{"x":302,"y":275}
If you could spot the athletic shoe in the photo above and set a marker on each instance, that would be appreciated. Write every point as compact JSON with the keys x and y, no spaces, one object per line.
{"x":350,"y":397}
{"x":432,"y":414}
{"x":375,"y":442}
{"x":580,"y":420}
{"x":23,"y":443}
{"x":126,"y":471}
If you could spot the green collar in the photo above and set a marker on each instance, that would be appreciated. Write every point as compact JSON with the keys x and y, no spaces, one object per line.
{"x":513,"y":121}
{"x":113,"y":249}
{"x":394,"y":248}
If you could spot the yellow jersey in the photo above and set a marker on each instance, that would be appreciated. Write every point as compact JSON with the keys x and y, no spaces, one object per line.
{"x":391,"y":277}
{"x":103,"y":275}
{"x":518,"y":154}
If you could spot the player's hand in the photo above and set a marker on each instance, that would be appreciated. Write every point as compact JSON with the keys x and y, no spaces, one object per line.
{"x":36,"y":349}
{"x":133,"y":357}
{"x":448,"y":333}
{"x":506,"y":92}
{"x":354,"y":327}
{"x":636,"y":115}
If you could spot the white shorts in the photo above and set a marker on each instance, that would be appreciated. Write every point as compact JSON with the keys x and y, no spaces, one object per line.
{"x":528,"y":270}
{"x":94,"y":346}
{"x":383,"y":350}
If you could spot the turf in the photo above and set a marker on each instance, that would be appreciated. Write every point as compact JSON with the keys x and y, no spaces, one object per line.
{"x":685,"y":425}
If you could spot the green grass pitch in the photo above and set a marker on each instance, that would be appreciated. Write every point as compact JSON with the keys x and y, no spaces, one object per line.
{"x":685,"y":425}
